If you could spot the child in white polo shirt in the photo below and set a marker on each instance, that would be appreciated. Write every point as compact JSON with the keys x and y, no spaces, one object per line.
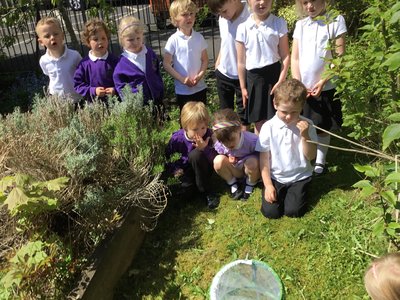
{"x":313,"y":38}
{"x":285,"y":153}
{"x":59,"y":62}
{"x":185,"y":57}
{"x":231,"y":14}
{"x":263,"y":60}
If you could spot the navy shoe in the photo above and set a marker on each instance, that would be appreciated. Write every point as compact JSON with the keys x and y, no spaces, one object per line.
{"x":238,"y":193}
{"x":212,"y":201}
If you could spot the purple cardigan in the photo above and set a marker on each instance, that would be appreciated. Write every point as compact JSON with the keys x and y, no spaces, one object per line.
{"x":127,"y":72}
{"x":91,"y":74}
{"x":179,"y":144}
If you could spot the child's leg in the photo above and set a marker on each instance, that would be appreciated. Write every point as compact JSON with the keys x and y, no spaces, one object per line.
{"x":322,"y":151}
{"x":202,"y":170}
{"x":295,"y":202}
{"x":226,"y":91}
{"x":229,"y":173}
{"x":252,"y":170}
{"x":274,"y":210}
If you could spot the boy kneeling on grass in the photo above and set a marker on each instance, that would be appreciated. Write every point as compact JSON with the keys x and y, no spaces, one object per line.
{"x":285,"y":154}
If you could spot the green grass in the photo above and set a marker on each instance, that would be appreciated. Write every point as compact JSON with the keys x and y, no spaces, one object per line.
{"x":320,"y":256}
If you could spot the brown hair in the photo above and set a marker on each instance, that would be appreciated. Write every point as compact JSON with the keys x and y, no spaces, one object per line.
{"x":382,"y":278}
{"x":127,"y":25}
{"x":291,"y":90}
{"x":47,"y":21}
{"x":91,"y":28}
{"x":225,"y":133}
{"x":216,"y":5}
{"x":193,"y":113}
{"x":181,"y":6}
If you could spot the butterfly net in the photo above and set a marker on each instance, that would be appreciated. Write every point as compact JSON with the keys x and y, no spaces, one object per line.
{"x":246,"y":279}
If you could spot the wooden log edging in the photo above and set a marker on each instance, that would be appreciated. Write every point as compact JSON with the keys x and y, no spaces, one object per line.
{"x":110,"y":260}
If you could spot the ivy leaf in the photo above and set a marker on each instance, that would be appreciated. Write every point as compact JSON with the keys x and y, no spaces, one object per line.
{"x":378,"y":228}
{"x":367,"y":169}
{"x":394,"y":117}
{"x":392,"y":178}
{"x":16,"y":198}
{"x":389,"y":196}
{"x":395,"y":18}
{"x":366,"y":188}
{"x":393,"y":61}
{"x":391,"y":133}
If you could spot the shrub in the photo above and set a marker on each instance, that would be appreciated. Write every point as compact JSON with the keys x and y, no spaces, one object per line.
{"x":113,"y":157}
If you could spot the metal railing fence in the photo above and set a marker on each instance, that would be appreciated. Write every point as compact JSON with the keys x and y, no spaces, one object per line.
{"x":23,"y":53}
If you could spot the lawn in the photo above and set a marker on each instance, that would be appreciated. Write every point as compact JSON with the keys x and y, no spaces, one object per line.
{"x":320,"y":256}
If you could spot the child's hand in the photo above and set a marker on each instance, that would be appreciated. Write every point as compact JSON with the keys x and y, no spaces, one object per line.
{"x":199,"y":143}
{"x":189,"y":82}
{"x":303,"y":127}
{"x":232,"y":159}
{"x":270,"y":193}
{"x":196,"y":79}
{"x":245,"y":96}
{"x":178,"y":173}
{"x":110,"y":91}
{"x":317,"y":89}
{"x":100,"y":91}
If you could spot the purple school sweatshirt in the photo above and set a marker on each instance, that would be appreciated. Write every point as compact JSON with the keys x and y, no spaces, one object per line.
{"x":127,"y":72}
{"x":182,"y":146}
{"x":91,"y":74}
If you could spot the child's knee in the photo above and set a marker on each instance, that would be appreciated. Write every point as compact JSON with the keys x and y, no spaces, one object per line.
{"x":219,"y":162}
{"x":251,"y":165}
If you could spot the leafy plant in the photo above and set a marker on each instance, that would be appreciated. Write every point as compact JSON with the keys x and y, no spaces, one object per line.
{"x":26,"y":197}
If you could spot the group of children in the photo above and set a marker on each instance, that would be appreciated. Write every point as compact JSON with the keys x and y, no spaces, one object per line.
{"x":100,"y":73}
{"x":252,"y":65}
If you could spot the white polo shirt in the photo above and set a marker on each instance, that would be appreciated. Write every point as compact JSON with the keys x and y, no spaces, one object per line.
{"x":61,"y":72}
{"x":138,"y":59}
{"x":228,"y":55}
{"x":186,"y":56}
{"x":287,"y":161}
{"x":262,"y":41}
{"x":313,"y":43}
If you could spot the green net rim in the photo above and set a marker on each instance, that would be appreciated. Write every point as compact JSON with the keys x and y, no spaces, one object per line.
{"x":226,"y":267}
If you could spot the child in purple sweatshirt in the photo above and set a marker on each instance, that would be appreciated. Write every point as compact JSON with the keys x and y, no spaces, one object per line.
{"x":94,"y":74}
{"x":138,"y":66}
{"x":193,"y":146}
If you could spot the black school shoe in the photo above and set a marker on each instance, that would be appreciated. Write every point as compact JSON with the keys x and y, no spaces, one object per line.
{"x":238,"y":193}
{"x":212,"y":201}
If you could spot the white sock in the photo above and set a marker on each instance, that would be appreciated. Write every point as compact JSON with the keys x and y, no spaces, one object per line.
{"x":233,"y":184}
{"x":321,"y":152}
{"x":249,"y":186}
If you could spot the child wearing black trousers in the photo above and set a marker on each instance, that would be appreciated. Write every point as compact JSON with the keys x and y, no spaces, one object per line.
{"x":194,"y":146}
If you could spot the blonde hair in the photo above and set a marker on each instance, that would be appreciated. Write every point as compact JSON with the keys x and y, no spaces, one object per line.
{"x":300,"y":11}
{"x":181,"y":6}
{"x":226,"y":123}
{"x":290,"y":90}
{"x":47,"y":21}
{"x":193,"y":113}
{"x":128,"y":25}
{"x":91,"y":28}
{"x":382,"y":278}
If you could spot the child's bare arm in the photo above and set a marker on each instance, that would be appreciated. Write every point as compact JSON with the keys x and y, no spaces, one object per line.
{"x":204,"y":65}
{"x":269,"y":191}
{"x":241,"y":62}
{"x":284,"y":53}
{"x":295,"y":69}
{"x":309,"y":149}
